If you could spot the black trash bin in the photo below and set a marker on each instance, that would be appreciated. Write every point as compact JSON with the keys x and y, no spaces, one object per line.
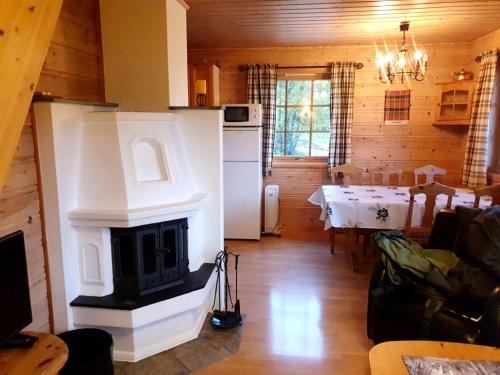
{"x":90,"y":352}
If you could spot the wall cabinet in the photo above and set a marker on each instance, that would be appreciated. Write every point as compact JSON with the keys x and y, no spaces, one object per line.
{"x":209,"y":73}
{"x":454,"y":102}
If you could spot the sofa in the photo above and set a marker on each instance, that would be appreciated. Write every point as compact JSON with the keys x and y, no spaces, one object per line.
{"x":468,"y":314}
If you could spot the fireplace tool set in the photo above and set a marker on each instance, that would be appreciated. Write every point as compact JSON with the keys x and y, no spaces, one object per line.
{"x":226,"y":318}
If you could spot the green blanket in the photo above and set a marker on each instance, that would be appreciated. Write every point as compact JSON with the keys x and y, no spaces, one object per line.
{"x":412,"y":257}
{"x":430,"y":265}
{"x":443,"y":273}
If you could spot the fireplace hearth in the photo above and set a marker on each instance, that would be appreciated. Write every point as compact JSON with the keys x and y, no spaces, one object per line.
{"x":149,"y":258}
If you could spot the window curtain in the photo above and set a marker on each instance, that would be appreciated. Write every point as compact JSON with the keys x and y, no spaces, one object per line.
{"x":261,"y":89}
{"x":341,"y":109}
{"x":475,"y":168}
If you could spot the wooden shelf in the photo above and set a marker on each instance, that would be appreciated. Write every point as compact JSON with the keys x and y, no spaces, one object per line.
{"x":53,"y":99}
{"x":454,"y":103}
{"x":213,"y":108}
{"x":462,"y":123}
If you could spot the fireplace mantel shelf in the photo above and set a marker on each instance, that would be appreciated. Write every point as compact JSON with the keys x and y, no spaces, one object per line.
{"x":127,"y":218}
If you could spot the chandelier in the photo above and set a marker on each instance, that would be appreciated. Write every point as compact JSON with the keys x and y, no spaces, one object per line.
{"x":401,"y":64}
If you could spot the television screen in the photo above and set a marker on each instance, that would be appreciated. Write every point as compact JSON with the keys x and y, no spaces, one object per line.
{"x":15,"y":305}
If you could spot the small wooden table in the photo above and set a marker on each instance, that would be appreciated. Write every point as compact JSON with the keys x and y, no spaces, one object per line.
{"x":386,"y":358}
{"x":47,"y":356}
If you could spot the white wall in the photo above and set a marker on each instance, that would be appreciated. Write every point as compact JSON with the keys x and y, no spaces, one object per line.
{"x":177,"y":53}
{"x":201,"y":131}
{"x":59,"y":150}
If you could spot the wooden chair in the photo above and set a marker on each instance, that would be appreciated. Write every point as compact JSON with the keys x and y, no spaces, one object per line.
{"x":386,"y":173}
{"x":429,"y":171}
{"x":344,"y":173}
{"x":493,"y":191}
{"x":431,"y":191}
{"x":341,"y":175}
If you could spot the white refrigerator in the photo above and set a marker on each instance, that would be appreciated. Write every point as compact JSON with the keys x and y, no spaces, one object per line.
{"x":242,"y":157}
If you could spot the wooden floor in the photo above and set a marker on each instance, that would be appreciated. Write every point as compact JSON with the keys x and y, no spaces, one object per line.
{"x":305,"y":310}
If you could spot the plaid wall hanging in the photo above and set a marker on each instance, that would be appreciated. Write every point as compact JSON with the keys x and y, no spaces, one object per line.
{"x":475,"y":168}
{"x":397,"y":107}
{"x":341,"y":110}
{"x":261,"y":89}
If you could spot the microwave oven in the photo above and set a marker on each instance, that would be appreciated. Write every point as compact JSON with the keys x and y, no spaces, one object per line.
{"x":242,"y":114}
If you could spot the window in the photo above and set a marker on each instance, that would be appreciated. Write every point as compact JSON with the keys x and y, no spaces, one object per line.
{"x":302,"y":118}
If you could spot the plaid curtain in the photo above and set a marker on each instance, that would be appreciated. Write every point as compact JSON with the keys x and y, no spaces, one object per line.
{"x":474,"y":173}
{"x":261,"y":88}
{"x":341,"y":108}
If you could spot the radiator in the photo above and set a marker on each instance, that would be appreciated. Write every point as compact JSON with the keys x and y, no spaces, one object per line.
{"x":272,"y":209}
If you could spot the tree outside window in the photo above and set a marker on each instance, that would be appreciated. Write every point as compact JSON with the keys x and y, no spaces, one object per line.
{"x":302,"y":118}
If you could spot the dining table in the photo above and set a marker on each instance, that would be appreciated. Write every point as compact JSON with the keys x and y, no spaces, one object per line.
{"x":378,"y":207}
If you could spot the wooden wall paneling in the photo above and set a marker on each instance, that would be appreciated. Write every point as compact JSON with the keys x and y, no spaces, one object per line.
{"x":61,"y":59}
{"x":209,"y":73}
{"x":432,"y":142}
{"x":373,"y":143}
{"x":73,"y":70}
{"x":46,"y":263}
{"x":69,"y":87}
{"x":296,"y":185}
{"x":482,"y":44}
{"x":76,"y":36}
{"x":100,"y":57}
{"x":20,"y":210}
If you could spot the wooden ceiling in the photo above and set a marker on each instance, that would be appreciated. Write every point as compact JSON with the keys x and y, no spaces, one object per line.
{"x":269,"y":23}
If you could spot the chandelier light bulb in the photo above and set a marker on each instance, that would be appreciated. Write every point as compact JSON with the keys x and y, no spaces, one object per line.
{"x":406,"y":62}
{"x":380,"y":60}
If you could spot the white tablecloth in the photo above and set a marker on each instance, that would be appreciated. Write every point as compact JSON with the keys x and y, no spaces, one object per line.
{"x":378,"y":207}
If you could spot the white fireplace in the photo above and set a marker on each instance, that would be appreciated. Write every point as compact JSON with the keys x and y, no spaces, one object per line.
{"x":103,"y":169}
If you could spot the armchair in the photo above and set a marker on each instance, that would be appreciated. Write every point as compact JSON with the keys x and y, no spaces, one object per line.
{"x":397,"y":312}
